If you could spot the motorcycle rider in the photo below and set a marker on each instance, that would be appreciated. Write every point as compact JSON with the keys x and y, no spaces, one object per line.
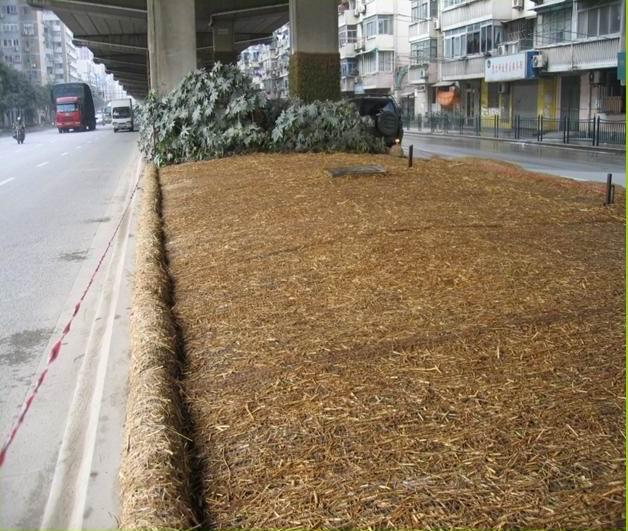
{"x":19,"y":131}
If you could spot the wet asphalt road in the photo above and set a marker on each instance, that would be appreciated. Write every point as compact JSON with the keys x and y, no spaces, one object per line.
{"x":55,"y":192}
{"x":576,"y":164}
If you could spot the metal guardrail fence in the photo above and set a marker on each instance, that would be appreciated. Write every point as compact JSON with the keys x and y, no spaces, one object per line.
{"x":566,"y":130}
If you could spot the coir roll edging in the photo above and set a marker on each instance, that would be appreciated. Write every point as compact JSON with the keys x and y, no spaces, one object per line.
{"x":154,"y":475}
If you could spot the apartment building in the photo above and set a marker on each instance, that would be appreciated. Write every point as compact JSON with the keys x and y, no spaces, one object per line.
{"x":37,"y":43}
{"x":425,"y":51}
{"x":22,"y":39}
{"x":523,"y":58}
{"x":579,"y":42}
{"x":267,"y":64}
{"x":61,"y":54}
{"x":254,"y":62}
{"x":374,"y":46}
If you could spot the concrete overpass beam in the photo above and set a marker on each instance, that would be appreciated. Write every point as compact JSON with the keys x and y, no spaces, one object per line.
{"x":315,"y":61}
{"x":171,"y":42}
{"x":224,"y":41}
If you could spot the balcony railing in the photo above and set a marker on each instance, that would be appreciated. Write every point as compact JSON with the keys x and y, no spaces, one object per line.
{"x":347,"y":84}
{"x":348,"y":50}
{"x":466,"y":68}
{"x":421,"y":28}
{"x":581,"y":55}
{"x":379,"y":80}
{"x":459,"y":14}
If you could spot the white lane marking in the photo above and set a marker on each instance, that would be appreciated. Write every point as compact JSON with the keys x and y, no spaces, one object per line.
{"x":42,"y":164}
{"x":6,"y":181}
{"x":64,"y":153}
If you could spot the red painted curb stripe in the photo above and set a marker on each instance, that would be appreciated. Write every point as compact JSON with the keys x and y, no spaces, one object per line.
{"x":56,"y":348}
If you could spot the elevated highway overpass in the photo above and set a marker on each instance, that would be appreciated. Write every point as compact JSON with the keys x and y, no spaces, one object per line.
{"x":153,"y":43}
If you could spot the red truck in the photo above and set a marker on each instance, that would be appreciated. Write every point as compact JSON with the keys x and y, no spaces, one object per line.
{"x":74,"y":107}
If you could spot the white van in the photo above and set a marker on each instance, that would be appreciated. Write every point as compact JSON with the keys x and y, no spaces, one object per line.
{"x":122,"y":115}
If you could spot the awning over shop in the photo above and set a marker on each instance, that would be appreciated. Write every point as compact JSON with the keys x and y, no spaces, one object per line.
{"x":447,"y":98}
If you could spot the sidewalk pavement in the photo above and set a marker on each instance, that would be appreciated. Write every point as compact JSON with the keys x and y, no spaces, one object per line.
{"x":614,"y":148}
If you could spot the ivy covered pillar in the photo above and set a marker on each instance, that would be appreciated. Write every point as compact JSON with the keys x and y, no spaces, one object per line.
{"x":171,"y":42}
{"x":315,"y":61}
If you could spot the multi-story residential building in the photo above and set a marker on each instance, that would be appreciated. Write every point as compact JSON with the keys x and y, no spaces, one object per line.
{"x":253,"y":62}
{"x":425,"y":49}
{"x":374,"y":46}
{"x":267,"y":64}
{"x":473,"y":33}
{"x":579,"y":41}
{"x":22,"y":39}
{"x":37,"y":43}
{"x":61,"y":53}
{"x":280,"y":61}
{"x":524,"y":58}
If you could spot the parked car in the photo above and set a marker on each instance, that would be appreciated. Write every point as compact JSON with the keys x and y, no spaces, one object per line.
{"x":386,"y":115}
{"x":100,"y":118}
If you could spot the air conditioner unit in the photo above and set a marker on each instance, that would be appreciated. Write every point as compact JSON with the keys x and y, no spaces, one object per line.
{"x":517,"y":4}
{"x":503,"y":88}
{"x":502,"y":49}
{"x":538,"y":61}
{"x":436,"y":24}
{"x":363,"y":8}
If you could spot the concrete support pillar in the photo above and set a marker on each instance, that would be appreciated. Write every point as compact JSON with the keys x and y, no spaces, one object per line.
{"x":224,"y":48}
{"x":315,"y":61}
{"x":171,"y":42}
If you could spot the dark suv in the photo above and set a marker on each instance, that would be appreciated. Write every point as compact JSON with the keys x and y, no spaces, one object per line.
{"x":386,"y":114}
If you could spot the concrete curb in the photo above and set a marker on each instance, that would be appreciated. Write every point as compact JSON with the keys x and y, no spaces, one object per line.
{"x":155,"y":472}
{"x":617,"y":151}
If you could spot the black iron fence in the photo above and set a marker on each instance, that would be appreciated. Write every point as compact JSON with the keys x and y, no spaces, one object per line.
{"x":566,"y":130}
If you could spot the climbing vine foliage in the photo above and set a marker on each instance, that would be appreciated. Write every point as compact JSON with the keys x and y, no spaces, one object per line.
{"x":219,"y":112}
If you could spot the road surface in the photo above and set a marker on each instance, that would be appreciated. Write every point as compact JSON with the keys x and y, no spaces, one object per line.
{"x":584,"y":165}
{"x":61,"y":196}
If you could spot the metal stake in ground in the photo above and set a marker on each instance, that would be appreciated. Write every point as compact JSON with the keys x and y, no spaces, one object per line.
{"x":410,"y":154}
{"x":609,"y":189}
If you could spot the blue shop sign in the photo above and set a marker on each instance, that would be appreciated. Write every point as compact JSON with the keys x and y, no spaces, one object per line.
{"x":510,"y":67}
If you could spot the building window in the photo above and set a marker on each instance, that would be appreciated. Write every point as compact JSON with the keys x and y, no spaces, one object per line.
{"x":10,"y":28}
{"x":424,"y":10}
{"x":473,"y":39}
{"x":595,"y":20}
{"x":449,"y":3}
{"x":379,"y":25}
{"x":28,"y":29}
{"x":369,"y":63}
{"x":347,"y":35}
{"x":553,"y":27}
{"x":348,"y":67}
{"x":385,"y":25}
{"x":385,"y":60}
{"x":423,"y":52}
{"x":10,"y":9}
{"x":371,"y":27}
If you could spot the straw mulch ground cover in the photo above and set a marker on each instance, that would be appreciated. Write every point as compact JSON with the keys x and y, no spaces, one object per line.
{"x":440,"y":346}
